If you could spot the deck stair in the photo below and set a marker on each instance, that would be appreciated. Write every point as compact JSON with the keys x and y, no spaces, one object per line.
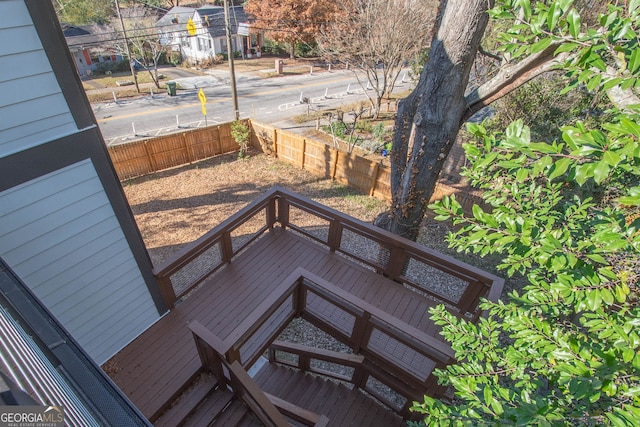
{"x":207,"y":404}
{"x":344,"y":406}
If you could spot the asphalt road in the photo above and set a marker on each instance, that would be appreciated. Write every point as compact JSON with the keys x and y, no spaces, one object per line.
{"x":269,"y":100}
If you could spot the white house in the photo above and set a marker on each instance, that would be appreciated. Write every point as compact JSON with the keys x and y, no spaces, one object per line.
{"x":209,"y":39}
{"x":66,"y":228}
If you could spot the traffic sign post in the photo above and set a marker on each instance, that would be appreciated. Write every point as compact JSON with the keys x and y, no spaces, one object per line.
{"x":203,"y":100}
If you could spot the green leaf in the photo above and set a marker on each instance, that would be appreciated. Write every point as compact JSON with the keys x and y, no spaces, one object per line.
{"x":594,"y":299}
{"x":612,"y":158}
{"x":607,"y":296}
{"x":522,"y":174}
{"x":526,"y":8}
{"x":554,"y":14}
{"x":540,"y":45}
{"x":628,"y":355}
{"x":559,"y":168}
{"x":609,"y":83}
{"x":615,"y":421}
{"x":632,"y":198}
{"x":601,"y":172}
{"x":634,"y":61}
{"x":573,"y":18}
{"x":631,"y":127}
{"x":582,"y":173}
{"x":566,"y":47}
{"x":594,"y":82}
{"x":597,"y":258}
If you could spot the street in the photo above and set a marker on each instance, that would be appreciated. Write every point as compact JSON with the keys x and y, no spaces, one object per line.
{"x":267,"y":100}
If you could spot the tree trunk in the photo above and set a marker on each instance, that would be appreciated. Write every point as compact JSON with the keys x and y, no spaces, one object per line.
{"x":292,"y":50}
{"x":429,"y":119}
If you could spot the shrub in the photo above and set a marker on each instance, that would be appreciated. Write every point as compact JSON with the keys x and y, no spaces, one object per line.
{"x":242,"y":134}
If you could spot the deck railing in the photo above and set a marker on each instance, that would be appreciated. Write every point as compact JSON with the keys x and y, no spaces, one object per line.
{"x":395,"y":354}
{"x":455,"y":283}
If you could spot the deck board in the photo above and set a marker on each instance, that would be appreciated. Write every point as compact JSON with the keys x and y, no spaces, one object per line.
{"x":151,"y":368}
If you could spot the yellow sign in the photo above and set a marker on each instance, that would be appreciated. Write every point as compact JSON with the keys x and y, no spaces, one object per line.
{"x":202,"y":97}
{"x":191,"y":27}
{"x":204,"y":110}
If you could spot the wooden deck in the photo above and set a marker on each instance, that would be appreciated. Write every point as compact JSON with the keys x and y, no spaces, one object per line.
{"x":152,"y":368}
{"x":251,"y":266}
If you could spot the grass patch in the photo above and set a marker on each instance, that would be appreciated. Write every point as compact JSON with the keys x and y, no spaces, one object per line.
{"x":113,"y":79}
{"x":108,"y":96}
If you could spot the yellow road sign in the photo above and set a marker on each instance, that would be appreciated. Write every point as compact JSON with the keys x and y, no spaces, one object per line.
{"x":191,"y":27}
{"x":204,"y":110}
{"x":202,"y":97}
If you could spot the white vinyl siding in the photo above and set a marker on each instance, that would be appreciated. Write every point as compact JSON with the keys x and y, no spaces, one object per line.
{"x":32,"y":106}
{"x":60,"y":235}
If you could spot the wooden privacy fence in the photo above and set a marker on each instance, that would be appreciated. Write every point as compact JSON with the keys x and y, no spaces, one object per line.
{"x":151,"y":155}
{"x":368,"y":176}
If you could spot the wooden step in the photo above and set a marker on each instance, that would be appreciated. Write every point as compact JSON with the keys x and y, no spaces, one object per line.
{"x":210,"y":408}
{"x":343,"y":405}
{"x":359,"y":409}
{"x":232,"y":415}
{"x":188,"y":402}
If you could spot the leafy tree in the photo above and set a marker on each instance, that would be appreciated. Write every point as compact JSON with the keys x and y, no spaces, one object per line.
{"x":429,"y":119}
{"x":565,"y":350}
{"x":289,"y":21}
{"x":84,"y":12}
{"x":377,"y":37}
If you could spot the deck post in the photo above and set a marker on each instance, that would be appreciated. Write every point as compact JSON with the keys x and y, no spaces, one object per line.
{"x":271,"y":213}
{"x":361,"y":331}
{"x":359,"y":377}
{"x":283,"y":212}
{"x":166,"y":291}
{"x":226,"y":247}
{"x":300,"y":297}
{"x":335,"y":235}
{"x":396,"y":264}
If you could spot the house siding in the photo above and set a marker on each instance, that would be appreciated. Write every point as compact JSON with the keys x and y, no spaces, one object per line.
{"x":59,"y":233}
{"x":27,"y":80}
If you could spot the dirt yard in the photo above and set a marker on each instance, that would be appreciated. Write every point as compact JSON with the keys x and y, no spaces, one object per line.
{"x":179,"y":205}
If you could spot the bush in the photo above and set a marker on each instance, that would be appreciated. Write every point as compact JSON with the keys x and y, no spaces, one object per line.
{"x":306,"y":50}
{"x":242,"y":134}
{"x":112,"y":66}
{"x":273,"y":48}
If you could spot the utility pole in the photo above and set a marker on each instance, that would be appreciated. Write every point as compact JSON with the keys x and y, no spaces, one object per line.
{"x":234,"y":93}
{"x":126,"y":43}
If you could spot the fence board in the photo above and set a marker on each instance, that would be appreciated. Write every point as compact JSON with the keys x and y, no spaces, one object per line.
{"x":168,"y":151}
{"x":290,"y":147}
{"x":131,"y":159}
{"x":355,"y":171}
{"x":155,"y":154}
{"x":319,"y":158}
